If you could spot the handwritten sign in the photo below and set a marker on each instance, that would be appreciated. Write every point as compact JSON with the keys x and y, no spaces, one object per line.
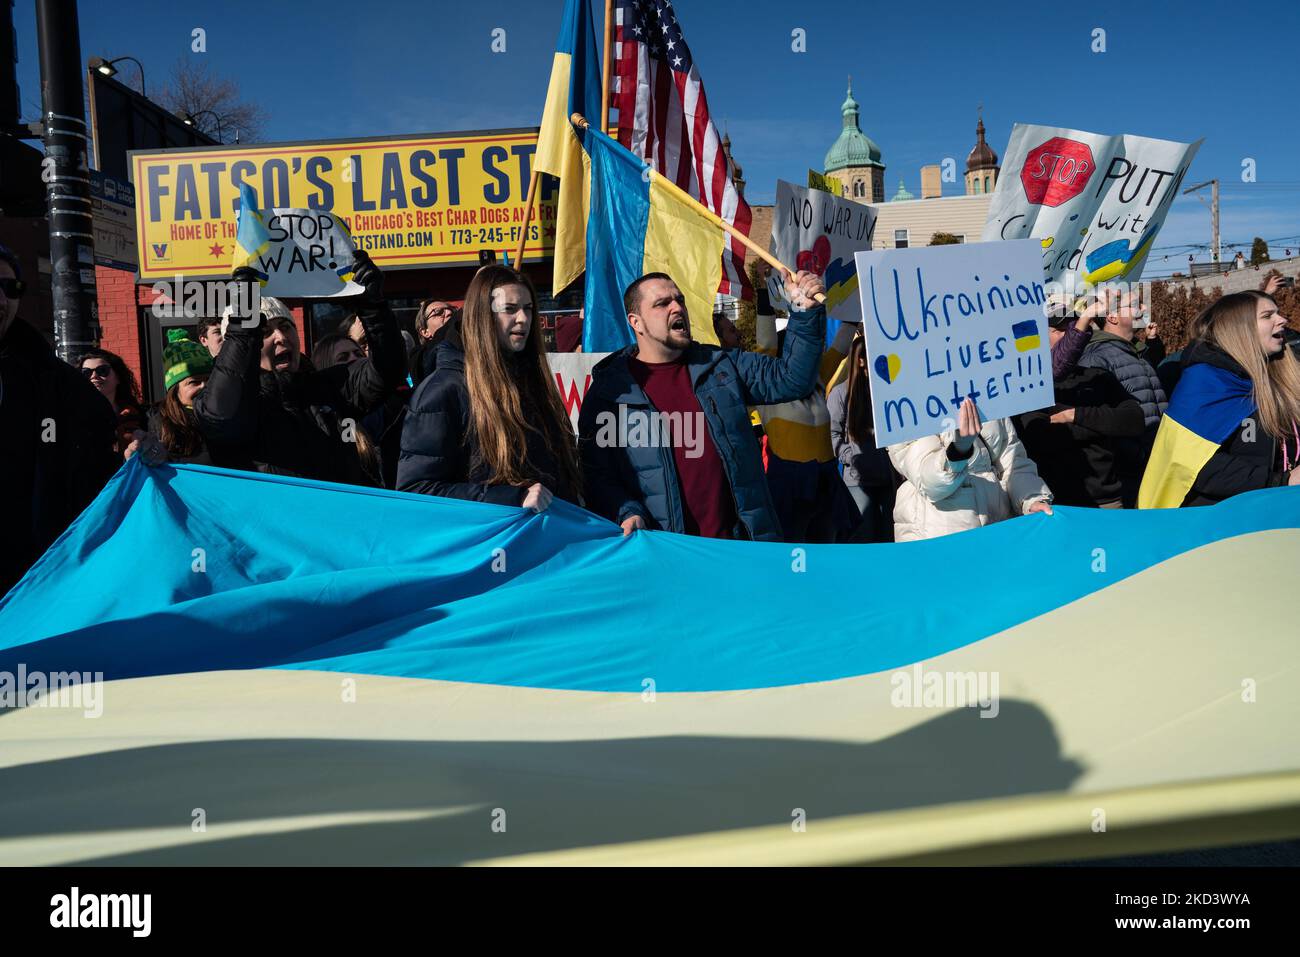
{"x":819,"y":232}
{"x":946,"y":322}
{"x":1094,"y":202}
{"x":309,"y":254}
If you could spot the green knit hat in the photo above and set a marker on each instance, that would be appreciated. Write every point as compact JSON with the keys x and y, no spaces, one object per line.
{"x":183,"y":357}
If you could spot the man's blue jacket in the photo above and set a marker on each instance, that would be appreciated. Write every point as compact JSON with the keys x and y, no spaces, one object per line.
{"x":621,"y":481}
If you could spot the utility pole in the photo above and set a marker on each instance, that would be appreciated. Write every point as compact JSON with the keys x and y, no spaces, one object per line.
{"x":67,"y":180}
{"x":1214,"y":212}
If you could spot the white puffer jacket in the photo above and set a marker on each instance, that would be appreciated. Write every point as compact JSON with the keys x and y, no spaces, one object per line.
{"x":940,"y":496}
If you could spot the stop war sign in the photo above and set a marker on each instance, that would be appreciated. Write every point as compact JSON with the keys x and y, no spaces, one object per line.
{"x":1056,"y":171}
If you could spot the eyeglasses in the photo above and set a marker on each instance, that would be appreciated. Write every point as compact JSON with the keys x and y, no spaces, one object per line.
{"x":12,"y":288}
{"x":441,"y":311}
{"x":96,"y":372}
{"x":512,"y":308}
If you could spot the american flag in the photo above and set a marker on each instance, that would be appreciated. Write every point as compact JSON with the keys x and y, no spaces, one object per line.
{"x":663,"y":117}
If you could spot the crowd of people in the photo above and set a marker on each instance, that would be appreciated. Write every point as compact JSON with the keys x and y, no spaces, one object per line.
{"x":774,"y":444}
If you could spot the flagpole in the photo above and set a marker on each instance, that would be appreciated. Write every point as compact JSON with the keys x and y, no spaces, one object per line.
{"x":604,"y":87}
{"x":528,"y":218}
{"x":689,"y":200}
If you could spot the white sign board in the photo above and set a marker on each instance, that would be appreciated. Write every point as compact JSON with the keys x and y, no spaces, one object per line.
{"x":816,"y":231}
{"x":310,"y":255}
{"x":572,"y":371}
{"x":946,"y":322}
{"x":1094,"y":203}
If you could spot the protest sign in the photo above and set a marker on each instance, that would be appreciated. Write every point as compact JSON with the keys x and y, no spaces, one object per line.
{"x":572,"y":372}
{"x":1094,"y":202}
{"x":414,"y":201}
{"x":946,"y":322}
{"x":302,"y":253}
{"x":816,"y":231}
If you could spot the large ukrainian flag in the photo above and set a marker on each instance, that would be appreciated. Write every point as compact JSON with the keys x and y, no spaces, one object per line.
{"x":574,"y":88}
{"x":345,"y":675}
{"x":640,"y":223}
{"x":1206,"y":407}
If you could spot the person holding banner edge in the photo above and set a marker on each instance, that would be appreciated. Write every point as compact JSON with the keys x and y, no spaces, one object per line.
{"x":488,"y":424}
{"x":716,"y":488}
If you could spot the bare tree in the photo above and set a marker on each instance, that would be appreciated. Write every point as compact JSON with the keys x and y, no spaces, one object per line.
{"x":214,"y":103}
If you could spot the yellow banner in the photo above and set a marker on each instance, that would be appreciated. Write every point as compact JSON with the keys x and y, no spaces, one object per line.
{"x":433,"y":200}
{"x":827,"y":184}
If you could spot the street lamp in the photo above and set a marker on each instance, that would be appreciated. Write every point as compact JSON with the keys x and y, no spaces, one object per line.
{"x":191,"y":119}
{"x":105,"y":67}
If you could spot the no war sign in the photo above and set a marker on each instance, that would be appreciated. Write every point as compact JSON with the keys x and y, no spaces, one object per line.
{"x":298,"y":253}
{"x":1095,"y":203}
{"x":946,"y":322}
{"x":820,"y":232}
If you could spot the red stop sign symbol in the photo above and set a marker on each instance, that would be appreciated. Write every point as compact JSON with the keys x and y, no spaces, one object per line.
{"x":1057,"y":171}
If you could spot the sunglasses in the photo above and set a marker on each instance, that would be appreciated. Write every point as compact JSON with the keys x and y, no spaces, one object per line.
{"x":96,"y":372}
{"x":12,"y":288}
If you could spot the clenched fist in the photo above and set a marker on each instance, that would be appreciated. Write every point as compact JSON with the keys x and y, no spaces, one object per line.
{"x":802,"y":289}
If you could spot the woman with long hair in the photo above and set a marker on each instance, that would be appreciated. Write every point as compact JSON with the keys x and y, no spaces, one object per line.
{"x":174,"y":434}
{"x":109,"y":374}
{"x":488,"y":424}
{"x":1233,"y":424}
{"x":867,"y":472}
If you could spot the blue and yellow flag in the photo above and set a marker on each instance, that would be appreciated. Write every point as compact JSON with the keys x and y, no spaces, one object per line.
{"x":1206,"y":407}
{"x":574,"y":88}
{"x":244,"y":636}
{"x":252,"y":238}
{"x":638,"y":223}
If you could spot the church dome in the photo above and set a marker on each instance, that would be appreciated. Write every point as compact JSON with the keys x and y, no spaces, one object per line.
{"x":982,"y":156}
{"x":853,"y":148}
{"x":902,"y":194}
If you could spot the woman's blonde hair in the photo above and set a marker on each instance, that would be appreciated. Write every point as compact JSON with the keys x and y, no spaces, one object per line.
{"x":1231,"y":324}
{"x":504,"y":407}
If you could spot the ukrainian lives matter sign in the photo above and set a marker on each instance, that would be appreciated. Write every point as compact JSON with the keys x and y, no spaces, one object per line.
{"x":943,"y":323}
{"x":1094,"y":202}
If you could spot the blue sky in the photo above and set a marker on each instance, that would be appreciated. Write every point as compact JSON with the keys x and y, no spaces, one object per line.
{"x":1195,"y":69}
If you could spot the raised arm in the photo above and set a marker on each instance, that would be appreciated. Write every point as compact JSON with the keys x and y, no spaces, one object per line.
{"x":370,"y":382}
{"x":226,"y":409}
{"x":792,"y":375}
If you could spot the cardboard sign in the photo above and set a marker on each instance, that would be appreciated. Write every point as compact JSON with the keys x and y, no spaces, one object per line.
{"x":946,"y":322}
{"x":819,"y":232}
{"x":1094,"y":202}
{"x":305,"y":253}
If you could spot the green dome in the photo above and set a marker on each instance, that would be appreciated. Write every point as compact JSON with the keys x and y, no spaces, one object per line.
{"x":902,"y":193}
{"x":853,"y":148}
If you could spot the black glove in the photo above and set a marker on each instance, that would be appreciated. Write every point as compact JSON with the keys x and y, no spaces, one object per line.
{"x":250,"y":295}
{"x":367,"y":275}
